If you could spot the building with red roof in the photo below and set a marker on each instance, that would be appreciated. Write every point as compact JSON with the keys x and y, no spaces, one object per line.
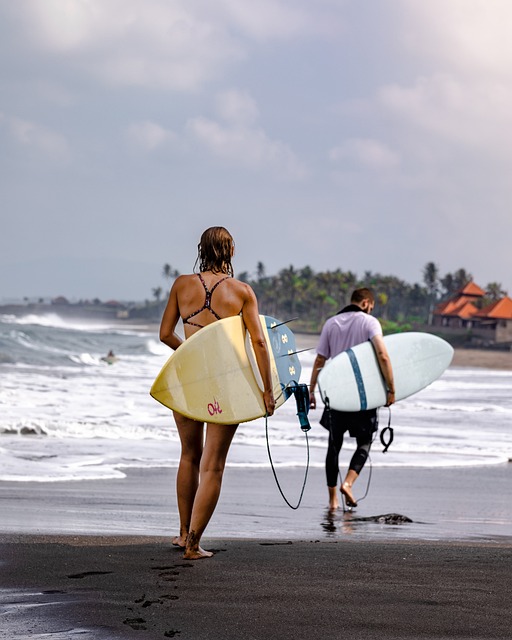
{"x":488,"y":323}
{"x":496,"y":318}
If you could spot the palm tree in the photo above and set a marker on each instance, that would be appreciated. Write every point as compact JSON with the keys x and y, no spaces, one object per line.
{"x":461,"y":278}
{"x":448,"y":284}
{"x":169,"y":273}
{"x":494,"y":291}
{"x":431,"y":280}
{"x":260,"y":271}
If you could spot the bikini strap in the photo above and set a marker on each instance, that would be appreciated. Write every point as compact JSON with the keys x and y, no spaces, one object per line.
{"x":207,"y":302}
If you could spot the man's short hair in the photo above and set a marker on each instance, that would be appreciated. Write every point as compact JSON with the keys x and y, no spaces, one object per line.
{"x":362,"y":294}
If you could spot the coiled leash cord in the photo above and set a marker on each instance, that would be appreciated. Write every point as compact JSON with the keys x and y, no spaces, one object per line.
{"x":302,"y":398}
{"x":387,"y":443}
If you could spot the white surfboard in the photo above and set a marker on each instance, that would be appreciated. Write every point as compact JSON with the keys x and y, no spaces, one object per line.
{"x":352,"y":381}
{"x":213,"y":376}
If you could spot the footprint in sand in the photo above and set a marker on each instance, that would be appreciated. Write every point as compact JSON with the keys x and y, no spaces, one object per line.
{"x":88,"y":573}
{"x":137,"y":624}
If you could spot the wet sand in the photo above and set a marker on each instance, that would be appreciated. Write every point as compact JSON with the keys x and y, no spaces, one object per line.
{"x":468,"y":504}
{"x":485,"y":358}
{"x":276,"y":572}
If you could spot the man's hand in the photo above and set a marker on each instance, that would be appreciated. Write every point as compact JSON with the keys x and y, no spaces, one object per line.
{"x":390,"y":398}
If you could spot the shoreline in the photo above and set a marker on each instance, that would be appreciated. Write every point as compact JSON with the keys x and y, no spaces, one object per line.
{"x":482,"y":358}
{"x":460,"y":505}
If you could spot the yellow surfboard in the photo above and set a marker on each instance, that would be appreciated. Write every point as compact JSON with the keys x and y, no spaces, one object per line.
{"x":213,"y":376}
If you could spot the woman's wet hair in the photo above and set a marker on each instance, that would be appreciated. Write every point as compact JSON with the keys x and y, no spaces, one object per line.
{"x":215,"y":250}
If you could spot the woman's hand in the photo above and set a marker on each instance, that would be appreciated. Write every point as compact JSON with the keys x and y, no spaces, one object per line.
{"x":270,"y":403}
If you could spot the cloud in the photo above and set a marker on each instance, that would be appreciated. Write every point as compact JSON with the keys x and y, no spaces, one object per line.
{"x":467,"y":36}
{"x":237,"y":107}
{"x":367,"y":153}
{"x":35,"y":138}
{"x":149,"y":135}
{"x":471,"y":114}
{"x":175,"y":45}
{"x":277,"y":19}
{"x":240,"y":141}
{"x":157,"y":43}
{"x":249,"y":147}
{"x":464,"y":94}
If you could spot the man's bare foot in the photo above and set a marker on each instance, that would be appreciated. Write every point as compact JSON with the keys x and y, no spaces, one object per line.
{"x":333,"y":498}
{"x":346,"y":490}
{"x":197,"y":554}
{"x":179,"y":541}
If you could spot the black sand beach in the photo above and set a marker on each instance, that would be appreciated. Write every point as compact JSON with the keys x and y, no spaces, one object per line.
{"x":68,"y":572}
{"x":140,"y":588}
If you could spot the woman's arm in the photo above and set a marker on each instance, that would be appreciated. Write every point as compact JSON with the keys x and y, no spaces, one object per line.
{"x":251,"y":320}
{"x":170,"y":319}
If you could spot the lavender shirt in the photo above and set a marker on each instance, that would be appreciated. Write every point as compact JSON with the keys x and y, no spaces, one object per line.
{"x":345,"y":330}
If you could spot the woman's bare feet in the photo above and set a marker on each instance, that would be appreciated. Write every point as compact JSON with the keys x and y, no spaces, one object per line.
{"x":192,"y":549}
{"x":197,"y":554}
{"x":179,"y":541}
{"x":346,"y":490}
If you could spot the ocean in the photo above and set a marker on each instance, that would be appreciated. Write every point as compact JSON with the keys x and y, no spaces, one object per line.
{"x":66,"y":415}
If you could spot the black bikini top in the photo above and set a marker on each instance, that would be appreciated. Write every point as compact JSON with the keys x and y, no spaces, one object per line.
{"x":207,"y":302}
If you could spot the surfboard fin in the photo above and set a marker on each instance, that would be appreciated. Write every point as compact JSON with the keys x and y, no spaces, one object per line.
{"x":274,"y":326}
{"x":293,"y":353}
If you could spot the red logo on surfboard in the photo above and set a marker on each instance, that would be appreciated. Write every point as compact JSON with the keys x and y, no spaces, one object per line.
{"x":214,"y":408}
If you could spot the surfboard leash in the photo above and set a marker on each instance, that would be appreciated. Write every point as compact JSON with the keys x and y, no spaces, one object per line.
{"x":387,"y":443}
{"x":302,"y":398}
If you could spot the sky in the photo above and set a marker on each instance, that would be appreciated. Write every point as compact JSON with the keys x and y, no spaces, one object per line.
{"x":336,"y":134}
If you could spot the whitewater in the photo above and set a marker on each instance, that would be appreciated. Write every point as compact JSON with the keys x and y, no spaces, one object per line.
{"x":67,"y":415}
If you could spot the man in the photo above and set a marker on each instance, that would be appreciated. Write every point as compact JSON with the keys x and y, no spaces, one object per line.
{"x":351,"y":326}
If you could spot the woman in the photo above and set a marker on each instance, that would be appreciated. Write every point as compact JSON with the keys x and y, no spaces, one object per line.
{"x":200,"y":299}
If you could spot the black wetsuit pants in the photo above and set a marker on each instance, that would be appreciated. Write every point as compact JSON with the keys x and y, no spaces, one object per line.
{"x":357,"y":461}
{"x":361,"y":425}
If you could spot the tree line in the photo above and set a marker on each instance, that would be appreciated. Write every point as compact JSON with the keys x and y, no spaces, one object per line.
{"x":312,"y":297}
